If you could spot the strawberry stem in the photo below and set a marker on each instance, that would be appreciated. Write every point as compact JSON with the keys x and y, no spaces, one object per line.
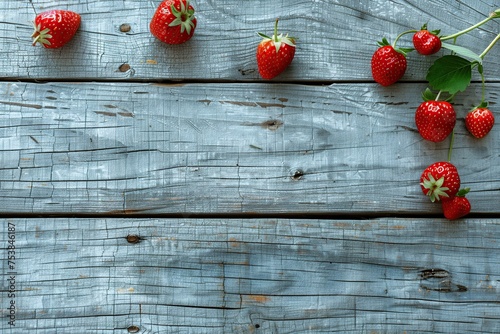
{"x":450,"y":149}
{"x":488,"y":48}
{"x":438,"y":95}
{"x":483,"y":83}
{"x":276,"y":31}
{"x":494,"y":15}
{"x":401,"y":35}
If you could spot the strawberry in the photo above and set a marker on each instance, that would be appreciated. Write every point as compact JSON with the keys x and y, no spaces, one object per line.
{"x":440,"y":181}
{"x":457,"y":207}
{"x":435,"y":120}
{"x":173,"y":22}
{"x":274,"y":54}
{"x":55,"y":28}
{"x":479,"y":122}
{"x":426,"y":42}
{"x":388,"y":64}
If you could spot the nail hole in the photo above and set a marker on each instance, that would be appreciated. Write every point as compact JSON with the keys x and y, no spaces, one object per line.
{"x":124,"y":67}
{"x":125,"y":27}
{"x":133,"y":239}
{"x":297,"y":175}
{"x":133,"y":329}
{"x":257,"y":326}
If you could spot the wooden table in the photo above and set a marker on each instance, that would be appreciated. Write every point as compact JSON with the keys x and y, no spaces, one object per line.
{"x":148,"y":188}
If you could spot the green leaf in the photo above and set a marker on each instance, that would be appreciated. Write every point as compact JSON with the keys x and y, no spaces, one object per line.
{"x":450,"y":74}
{"x":460,"y":50}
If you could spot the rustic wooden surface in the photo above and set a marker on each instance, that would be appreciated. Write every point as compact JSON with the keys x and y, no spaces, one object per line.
{"x":350,"y":149}
{"x":289,"y":206}
{"x":336,"y":39}
{"x":258,"y":275}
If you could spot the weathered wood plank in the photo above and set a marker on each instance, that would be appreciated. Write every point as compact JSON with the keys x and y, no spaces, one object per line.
{"x":336,"y":39}
{"x":228,"y":148}
{"x":252,"y":276}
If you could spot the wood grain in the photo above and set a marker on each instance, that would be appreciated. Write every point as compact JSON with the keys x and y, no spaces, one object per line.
{"x":146,"y":188}
{"x":348,"y":149}
{"x":336,"y":39}
{"x":257,"y":275}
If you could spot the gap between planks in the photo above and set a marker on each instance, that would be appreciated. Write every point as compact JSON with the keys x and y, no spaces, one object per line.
{"x":231,"y":216}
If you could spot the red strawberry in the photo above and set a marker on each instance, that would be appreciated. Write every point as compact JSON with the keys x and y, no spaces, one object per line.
{"x":173,"y":22}
{"x":435,"y":120}
{"x":426,"y":42}
{"x":457,"y":207}
{"x":440,"y":181}
{"x":479,"y":122}
{"x":388,"y":64}
{"x":274,"y":54}
{"x":54,"y":28}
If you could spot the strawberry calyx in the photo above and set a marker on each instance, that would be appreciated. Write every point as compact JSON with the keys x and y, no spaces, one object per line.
{"x":429,"y":95}
{"x":183,"y":17}
{"x":482,"y":105}
{"x":403,"y":51}
{"x":278,"y":40}
{"x":433,"y":32}
{"x":435,"y":188}
{"x":41,"y":36}
{"x":462,"y":192}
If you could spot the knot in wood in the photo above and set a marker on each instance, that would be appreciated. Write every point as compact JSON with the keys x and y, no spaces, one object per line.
{"x":125,"y":27}
{"x":133,"y":239}
{"x":133,"y":329}
{"x":124,"y":67}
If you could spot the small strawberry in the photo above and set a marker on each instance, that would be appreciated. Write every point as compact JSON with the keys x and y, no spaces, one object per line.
{"x":388,"y":64}
{"x":458,"y":206}
{"x":426,"y":42}
{"x":55,"y":28}
{"x":274,"y":54}
{"x":435,"y":120}
{"x":479,"y":122}
{"x":173,"y":22}
{"x":440,"y":181}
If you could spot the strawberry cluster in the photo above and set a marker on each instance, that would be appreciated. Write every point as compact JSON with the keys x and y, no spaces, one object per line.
{"x":435,"y":117}
{"x":173,"y":23}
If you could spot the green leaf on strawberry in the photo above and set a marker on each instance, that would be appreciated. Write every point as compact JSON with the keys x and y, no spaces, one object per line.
{"x":450,"y":74}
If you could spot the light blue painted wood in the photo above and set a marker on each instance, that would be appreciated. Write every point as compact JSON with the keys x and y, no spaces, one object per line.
{"x":223,"y":144}
{"x":346,"y":149}
{"x":255,"y":275}
{"x":336,"y":39}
